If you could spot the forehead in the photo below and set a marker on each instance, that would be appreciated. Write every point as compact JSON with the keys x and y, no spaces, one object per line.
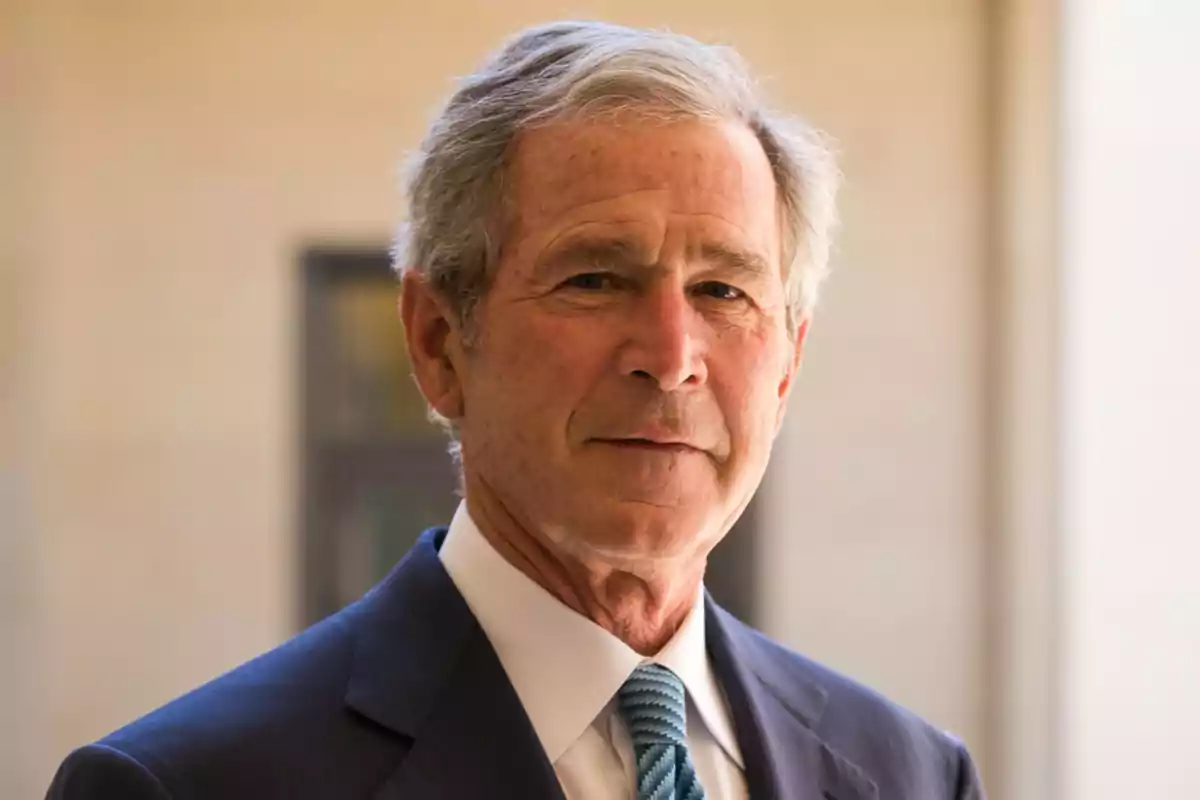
{"x":581,"y":171}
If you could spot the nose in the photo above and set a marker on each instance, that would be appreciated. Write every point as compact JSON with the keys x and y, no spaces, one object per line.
{"x":664,"y":343}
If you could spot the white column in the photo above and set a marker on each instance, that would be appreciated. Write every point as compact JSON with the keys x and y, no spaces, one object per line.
{"x":1130,"y":559}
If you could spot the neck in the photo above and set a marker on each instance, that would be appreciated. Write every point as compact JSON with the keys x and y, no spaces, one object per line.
{"x":642,"y":605}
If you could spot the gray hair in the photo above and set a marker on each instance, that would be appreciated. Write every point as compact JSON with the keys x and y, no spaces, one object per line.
{"x":455,"y":184}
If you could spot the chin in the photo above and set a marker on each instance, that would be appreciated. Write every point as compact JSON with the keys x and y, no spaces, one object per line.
{"x":642,"y":531}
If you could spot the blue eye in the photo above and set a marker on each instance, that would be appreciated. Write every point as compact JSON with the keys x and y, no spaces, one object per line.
{"x":720,"y":291}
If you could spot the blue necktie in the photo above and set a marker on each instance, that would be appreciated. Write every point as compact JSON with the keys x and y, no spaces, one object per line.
{"x":653,"y":704}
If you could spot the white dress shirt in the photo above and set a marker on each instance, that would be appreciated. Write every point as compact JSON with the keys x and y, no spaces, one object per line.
{"x":566,"y":670}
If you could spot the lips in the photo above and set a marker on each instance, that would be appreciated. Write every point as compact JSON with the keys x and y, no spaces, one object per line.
{"x":659,"y":440}
{"x":676,"y":427}
{"x":649,"y":444}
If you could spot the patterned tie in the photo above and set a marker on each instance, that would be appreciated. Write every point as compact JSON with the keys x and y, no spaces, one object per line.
{"x":653,"y":705}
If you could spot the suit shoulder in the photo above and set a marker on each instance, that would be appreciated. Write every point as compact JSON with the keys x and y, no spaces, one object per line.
{"x":252,"y":731}
{"x":288,"y":681}
{"x":894,"y":744}
{"x":98,"y":771}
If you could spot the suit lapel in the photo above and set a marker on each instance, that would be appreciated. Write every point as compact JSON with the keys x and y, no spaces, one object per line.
{"x":785,"y":759}
{"x":477,"y":742}
{"x":424,"y":668}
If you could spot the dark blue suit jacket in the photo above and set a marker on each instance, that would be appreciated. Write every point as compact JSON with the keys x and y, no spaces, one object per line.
{"x":401,"y":696}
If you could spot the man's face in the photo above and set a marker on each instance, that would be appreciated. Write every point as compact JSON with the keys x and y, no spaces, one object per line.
{"x":633,"y":356}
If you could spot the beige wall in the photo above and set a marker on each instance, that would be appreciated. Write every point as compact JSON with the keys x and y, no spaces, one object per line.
{"x":1024,"y":540}
{"x":183,"y":151}
{"x":19,"y":719}
{"x":875,"y":543}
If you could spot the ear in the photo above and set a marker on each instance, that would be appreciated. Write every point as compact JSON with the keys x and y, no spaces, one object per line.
{"x":791,"y":370}
{"x":434,"y":345}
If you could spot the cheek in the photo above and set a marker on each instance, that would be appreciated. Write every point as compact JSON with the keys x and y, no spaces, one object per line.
{"x":541,"y":367}
{"x":748,"y":375}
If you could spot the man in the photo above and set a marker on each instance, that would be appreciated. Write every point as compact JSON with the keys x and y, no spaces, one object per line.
{"x":608,"y":275}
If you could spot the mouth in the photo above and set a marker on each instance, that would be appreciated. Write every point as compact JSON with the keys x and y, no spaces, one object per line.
{"x":649,"y":445}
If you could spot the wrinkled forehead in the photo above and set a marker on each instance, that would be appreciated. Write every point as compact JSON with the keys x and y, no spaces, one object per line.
{"x":691,"y":167}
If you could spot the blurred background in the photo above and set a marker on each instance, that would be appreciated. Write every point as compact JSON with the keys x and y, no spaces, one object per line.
{"x":984,"y":501}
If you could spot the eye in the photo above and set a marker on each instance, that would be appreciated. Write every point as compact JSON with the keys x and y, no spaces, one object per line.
{"x":720,"y":291}
{"x":592,"y":281}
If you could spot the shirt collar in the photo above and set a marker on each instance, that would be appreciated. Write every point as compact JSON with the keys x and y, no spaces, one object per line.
{"x":563,"y":666}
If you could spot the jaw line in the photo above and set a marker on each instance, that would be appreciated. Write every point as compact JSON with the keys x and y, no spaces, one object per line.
{"x":618,"y":558}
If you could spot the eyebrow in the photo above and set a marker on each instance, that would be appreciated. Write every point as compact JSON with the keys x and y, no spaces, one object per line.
{"x":735,"y":259}
{"x":626,"y":251}
{"x":617,"y":250}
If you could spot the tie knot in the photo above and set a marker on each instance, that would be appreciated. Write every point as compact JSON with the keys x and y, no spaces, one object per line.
{"x":653,"y":704}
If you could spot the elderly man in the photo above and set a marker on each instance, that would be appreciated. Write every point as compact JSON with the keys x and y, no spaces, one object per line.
{"x":608,"y":274}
